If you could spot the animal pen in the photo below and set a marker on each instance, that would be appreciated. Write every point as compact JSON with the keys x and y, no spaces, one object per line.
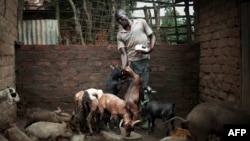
{"x":52,"y":49}
{"x":68,"y":46}
{"x":72,"y":40}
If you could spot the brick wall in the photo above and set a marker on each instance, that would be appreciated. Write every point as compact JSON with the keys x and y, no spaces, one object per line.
{"x":49,"y":76}
{"x":8,"y":34}
{"x":218,"y":32}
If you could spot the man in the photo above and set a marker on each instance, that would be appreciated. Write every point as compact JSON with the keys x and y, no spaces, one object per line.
{"x":135,"y":32}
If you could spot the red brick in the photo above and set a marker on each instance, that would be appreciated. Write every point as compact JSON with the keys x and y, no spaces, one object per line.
{"x":61,"y":47}
{"x":42,"y":47}
{"x":62,"y":63}
{"x":79,"y":47}
{"x":43,"y":63}
{"x":85,"y":55}
{"x":51,"y":55}
{"x":69,"y":84}
{"x":26,"y":48}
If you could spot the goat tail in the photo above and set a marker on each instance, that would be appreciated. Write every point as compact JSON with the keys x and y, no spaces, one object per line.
{"x":173,"y":118}
{"x":95,"y":95}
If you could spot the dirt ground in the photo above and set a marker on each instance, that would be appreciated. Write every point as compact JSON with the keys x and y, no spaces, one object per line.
{"x":157,"y":135}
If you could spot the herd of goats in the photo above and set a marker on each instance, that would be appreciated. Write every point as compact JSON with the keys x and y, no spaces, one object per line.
{"x":97,"y":109}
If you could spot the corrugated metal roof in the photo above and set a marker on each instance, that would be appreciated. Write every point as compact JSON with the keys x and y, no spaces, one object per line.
{"x":38,"y":32}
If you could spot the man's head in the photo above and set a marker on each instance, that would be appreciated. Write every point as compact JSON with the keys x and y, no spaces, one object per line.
{"x":122,"y":18}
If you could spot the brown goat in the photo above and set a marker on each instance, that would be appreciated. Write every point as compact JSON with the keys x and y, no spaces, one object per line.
{"x":132,"y":94}
{"x":87,"y":100}
{"x":117,"y":107}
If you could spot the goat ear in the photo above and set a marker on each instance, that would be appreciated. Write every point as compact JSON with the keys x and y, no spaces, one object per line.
{"x":112,"y":67}
{"x":129,"y":63}
{"x":58,"y":111}
{"x":64,"y":123}
{"x":73,"y":113}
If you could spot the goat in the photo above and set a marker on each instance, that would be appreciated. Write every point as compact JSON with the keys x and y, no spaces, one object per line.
{"x":8,"y":107}
{"x":87,"y":102}
{"x":2,"y":138}
{"x":39,"y":114}
{"x":43,"y":130}
{"x":79,"y":115}
{"x":113,"y":83}
{"x":118,"y":108}
{"x":133,"y":93}
{"x":15,"y":134}
{"x":164,"y":111}
{"x":153,"y":109}
{"x":10,"y":95}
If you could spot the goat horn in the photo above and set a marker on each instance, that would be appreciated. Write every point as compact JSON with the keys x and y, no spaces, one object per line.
{"x":135,"y":122}
{"x":112,"y":67}
{"x":120,"y":125}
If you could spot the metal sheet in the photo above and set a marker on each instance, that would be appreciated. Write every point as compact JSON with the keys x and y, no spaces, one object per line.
{"x":38,"y":32}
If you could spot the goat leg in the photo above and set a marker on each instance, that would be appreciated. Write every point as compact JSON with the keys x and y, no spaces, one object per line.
{"x":134,"y":110}
{"x":88,"y":121}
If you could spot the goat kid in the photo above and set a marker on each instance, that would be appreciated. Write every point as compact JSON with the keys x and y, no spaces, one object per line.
{"x":90,"y":105}
{"x":118,"y":108}
{"x":10,"y":95}
{"x":133,"y":93}
{"x":15,"y":134}
{"x":43,"y":130}
{"x":39,"y":114}
{"x":79,"y":116}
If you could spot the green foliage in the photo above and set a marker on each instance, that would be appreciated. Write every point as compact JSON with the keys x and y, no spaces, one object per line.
{"x":178,"y":35}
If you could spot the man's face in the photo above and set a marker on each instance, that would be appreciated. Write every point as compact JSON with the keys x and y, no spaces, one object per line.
{"x":122,"y":19}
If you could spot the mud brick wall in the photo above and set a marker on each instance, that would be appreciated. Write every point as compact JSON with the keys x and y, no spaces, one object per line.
{"x":218,"y":32}
{"x":49,"y":76}
{"x":8,"y":34}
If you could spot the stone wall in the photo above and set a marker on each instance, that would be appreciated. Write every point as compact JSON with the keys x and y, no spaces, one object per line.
{"x":49,"y":76}
{"x":8,"y":34}
{"x":218,"y":32}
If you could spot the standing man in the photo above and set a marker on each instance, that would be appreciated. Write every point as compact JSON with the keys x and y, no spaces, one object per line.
{"x":135,"y":32}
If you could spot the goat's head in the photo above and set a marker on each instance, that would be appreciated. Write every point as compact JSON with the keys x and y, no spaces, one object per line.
{"x":12,"y":95}
{"x":128,"y":126}
{"x":116,"y":72}
{"x":94,"y":93}
{"x":147,"y":93}
{"x":128,"y":70}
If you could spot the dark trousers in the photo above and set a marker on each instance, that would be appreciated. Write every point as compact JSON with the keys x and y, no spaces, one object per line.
{"x":141,"y":67}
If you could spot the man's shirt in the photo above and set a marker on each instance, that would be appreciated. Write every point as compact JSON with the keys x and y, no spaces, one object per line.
{"x":137,"y":35}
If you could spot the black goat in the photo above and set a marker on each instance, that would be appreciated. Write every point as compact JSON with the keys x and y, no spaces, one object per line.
{"x":153,"y":109}
{"x":114,"y":83}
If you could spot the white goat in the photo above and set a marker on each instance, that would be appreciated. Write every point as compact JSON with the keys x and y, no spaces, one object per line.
{"x":8,"y":107}
{"x":88,"y":100}
{"x":10,"y":95}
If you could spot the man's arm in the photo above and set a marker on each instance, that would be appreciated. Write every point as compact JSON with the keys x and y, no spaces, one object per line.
{"x":124,"y":57}
{"x":152,"y":42}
